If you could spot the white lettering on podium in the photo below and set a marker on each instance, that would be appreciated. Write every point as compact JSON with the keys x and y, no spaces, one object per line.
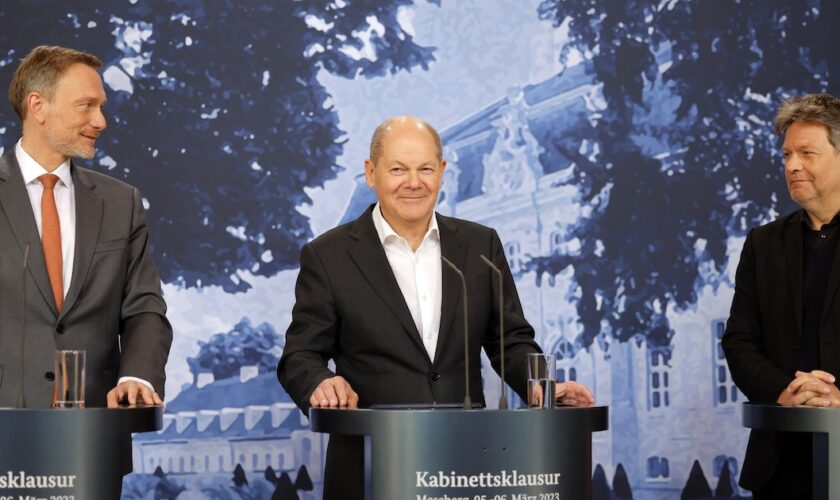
{"x":21,"y":479}
{"x":502,"y":479}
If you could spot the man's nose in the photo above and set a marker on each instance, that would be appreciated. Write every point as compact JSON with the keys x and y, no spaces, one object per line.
{"x":413,"y":178}
{"x":99,"y":122}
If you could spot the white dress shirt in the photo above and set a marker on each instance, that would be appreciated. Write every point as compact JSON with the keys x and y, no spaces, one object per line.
{"x":418,"y":274}
{"x":65,"y":203}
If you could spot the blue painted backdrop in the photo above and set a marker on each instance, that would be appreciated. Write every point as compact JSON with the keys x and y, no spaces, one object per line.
{"x":621,"y":148}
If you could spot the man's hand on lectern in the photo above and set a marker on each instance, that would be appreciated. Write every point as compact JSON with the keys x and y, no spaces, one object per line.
{"x":574,"y":394}
{"x":815,"y":388}
{"x":132,"y":392}
{"x":334,"y":392}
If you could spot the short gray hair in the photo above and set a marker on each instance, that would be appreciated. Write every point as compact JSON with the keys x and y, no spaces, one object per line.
{"x":823,"y":109}
{"x":382,"y":129}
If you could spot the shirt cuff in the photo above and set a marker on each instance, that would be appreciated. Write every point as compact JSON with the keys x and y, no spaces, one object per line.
{"x":135,"y":379}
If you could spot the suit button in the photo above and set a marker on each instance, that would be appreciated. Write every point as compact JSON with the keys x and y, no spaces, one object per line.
{"x":49,"y":376}
{"x":60,"y":328}
{"x":435,"y":377}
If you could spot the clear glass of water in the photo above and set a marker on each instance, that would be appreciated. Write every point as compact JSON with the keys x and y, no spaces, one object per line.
{"x":69,"y":384}
{"x":542,"y":379}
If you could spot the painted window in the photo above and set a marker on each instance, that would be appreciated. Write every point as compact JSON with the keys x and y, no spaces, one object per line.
{"x":512,"y":251}
{"x":725,"y":392}
{"x":657,"y":468}
{"x":722,"y":460}
{"x":659,"y":374}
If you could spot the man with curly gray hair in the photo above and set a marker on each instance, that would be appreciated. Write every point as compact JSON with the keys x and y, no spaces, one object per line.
{"x":782,"y":340}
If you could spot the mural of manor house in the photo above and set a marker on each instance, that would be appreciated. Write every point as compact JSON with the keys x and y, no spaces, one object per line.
{"x":666,"y":411}
{"x":215,"y":425}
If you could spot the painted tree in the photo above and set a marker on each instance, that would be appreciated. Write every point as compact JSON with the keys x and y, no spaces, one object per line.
{"x":217,"y":114}
{"x":679,"y":152}
{"x":696,"y":486}
{"x":245,"y":345}
{"x":621,"y":484}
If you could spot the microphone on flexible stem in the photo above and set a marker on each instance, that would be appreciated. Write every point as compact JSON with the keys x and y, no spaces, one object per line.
{"x":21,"y":401}
{"x":503,"y":403}
{"x":467,"y":401}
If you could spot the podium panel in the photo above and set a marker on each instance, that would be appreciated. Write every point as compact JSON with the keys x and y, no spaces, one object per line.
{"x":486,"y":454}
{"x":68,"y":453}
{"x":824,"y":423}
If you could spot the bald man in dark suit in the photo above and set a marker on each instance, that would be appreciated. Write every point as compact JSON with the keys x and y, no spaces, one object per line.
{"x":372,"y":295}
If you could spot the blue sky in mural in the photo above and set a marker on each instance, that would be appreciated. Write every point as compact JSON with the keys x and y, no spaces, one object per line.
{"x":486,"y":51}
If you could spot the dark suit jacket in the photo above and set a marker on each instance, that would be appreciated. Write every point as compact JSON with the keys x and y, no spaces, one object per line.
{"x":114,"y":308}
{"x":765,"y":328}
{"x":349,"y":308}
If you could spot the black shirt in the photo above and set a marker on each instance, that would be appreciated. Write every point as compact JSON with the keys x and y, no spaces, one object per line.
{"x":818,"y":248}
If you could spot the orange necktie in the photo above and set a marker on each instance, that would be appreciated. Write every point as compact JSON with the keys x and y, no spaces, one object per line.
{"x":51,"y":238}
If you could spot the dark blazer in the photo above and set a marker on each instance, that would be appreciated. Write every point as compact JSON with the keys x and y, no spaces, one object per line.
{"x":114,"y":308}
{"x":349,"y":308}
{"x":765,"y":328}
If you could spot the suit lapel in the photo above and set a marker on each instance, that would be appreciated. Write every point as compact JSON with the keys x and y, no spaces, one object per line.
{"x":451,"y":305}
{"x":14,"y":202}
{"x":88,"y":222}
{"x":793,"y":258}
{"x":369,"y":256}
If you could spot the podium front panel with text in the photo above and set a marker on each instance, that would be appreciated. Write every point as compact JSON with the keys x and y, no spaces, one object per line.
{"x":492,"y":454}
{"x":67,"y":453}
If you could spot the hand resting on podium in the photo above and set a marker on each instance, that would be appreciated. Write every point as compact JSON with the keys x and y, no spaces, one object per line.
{"x":566,"y":393}
{"x":334,"y":392}
{"x":132,"y":392}
{"x":815,"y":389}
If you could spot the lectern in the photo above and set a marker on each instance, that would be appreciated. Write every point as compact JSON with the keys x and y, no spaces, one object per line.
{"x":440,"y":453}
{"x":824,"y":423}
{"x":67,"y":453}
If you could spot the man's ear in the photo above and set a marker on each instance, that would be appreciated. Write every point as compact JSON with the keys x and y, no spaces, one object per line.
{"x":369,"y":166}
{"x":37,"y":106}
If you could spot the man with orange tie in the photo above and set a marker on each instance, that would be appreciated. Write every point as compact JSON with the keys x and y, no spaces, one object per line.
{"x":91,"y":283}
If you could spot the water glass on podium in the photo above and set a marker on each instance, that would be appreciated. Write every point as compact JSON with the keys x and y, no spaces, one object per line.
{"x":69,"y":388}
{"x":542,"y":378}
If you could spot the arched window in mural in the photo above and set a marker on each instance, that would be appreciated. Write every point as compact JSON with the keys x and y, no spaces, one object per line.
{"x":658,"y":380}
{"x":556,"y":242}
{"x":658,"y":468}
{"x":725,"y":392}
{"x":722,"y":460}
{"x":512,"y":251}
{"x":566,"y":369}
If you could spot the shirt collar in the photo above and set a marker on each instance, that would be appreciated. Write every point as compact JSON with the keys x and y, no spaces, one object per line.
{"x":31,"y":169}
{"x":386,"y":232}
{"x":806,"y":221}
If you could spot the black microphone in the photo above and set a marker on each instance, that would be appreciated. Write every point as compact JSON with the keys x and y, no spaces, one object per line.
{"x":467,"y":401}
{"x":21,"y":401}
{"x":503,"y":404}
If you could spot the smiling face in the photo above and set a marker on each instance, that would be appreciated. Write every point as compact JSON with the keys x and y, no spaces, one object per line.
{"x":406,"y":176}
{"x":812,"y":167}
{"x":72,"y":120}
